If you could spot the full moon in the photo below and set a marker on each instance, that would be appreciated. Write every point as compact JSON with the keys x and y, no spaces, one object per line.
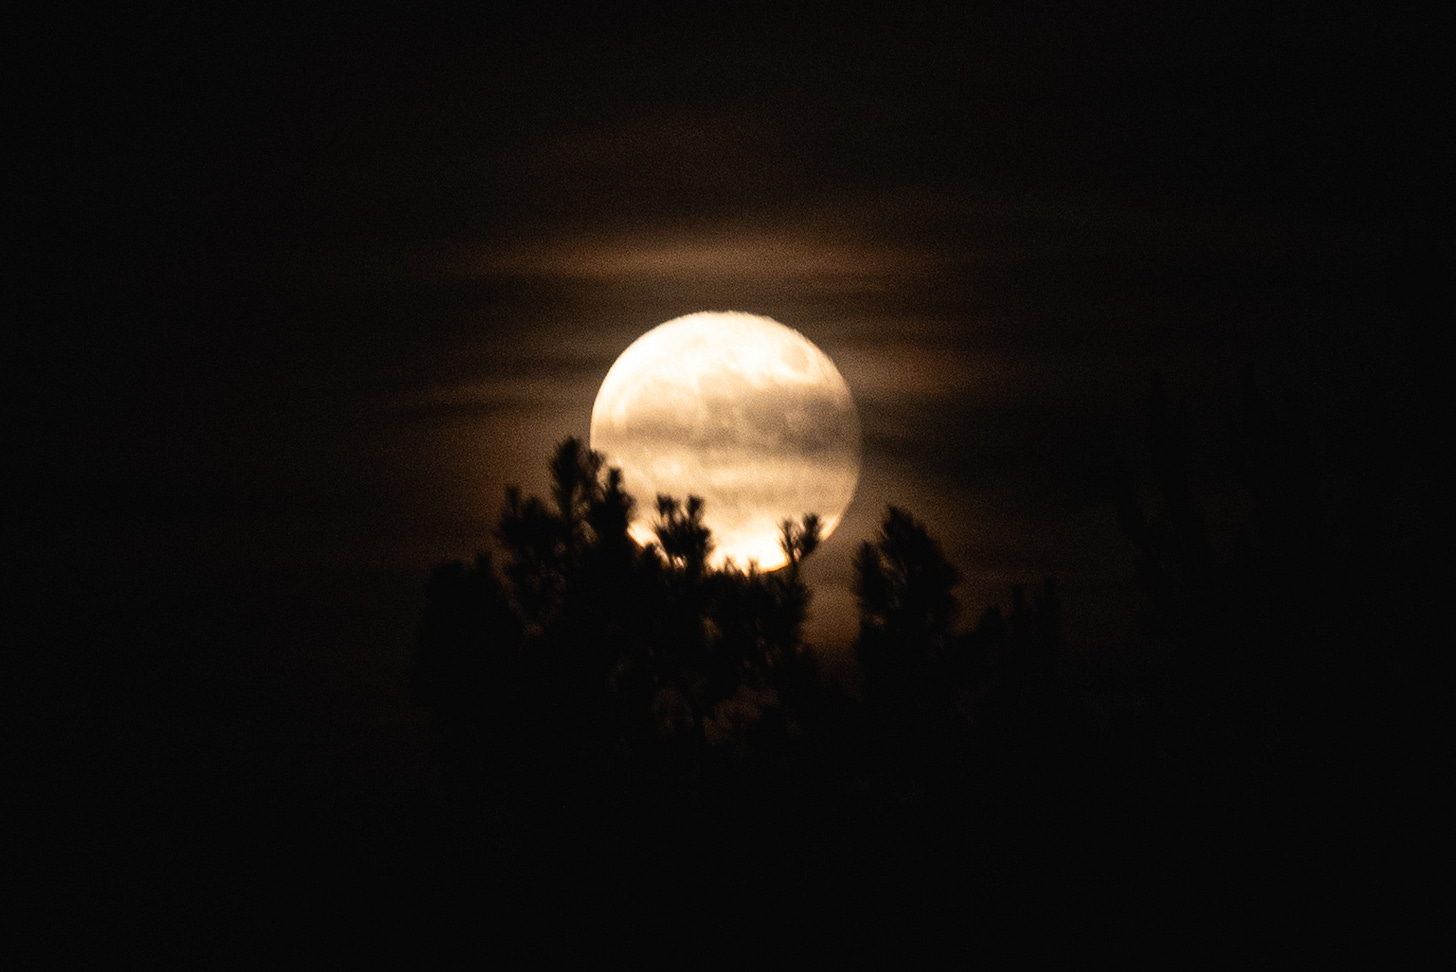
{"x":737,"y":409}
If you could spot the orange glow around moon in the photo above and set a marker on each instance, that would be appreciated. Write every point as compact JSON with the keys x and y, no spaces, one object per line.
{"x":737,"y":409}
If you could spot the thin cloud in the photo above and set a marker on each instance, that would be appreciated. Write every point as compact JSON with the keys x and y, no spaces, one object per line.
{"x":776,"y":256}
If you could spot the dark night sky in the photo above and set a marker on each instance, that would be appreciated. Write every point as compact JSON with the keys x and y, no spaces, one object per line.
{"x":314,"y":288}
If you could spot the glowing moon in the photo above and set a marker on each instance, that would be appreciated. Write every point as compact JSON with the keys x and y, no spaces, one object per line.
{"x":737,"y":409}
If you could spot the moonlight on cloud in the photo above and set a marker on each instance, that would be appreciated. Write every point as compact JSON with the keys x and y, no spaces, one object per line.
{"x":737,"y":409}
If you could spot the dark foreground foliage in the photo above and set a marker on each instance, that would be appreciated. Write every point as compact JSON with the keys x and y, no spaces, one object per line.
{"x":639,"y":740}
{"x":635,"y":720}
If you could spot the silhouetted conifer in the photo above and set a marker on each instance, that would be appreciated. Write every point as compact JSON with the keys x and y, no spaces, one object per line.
{"x":606,"y":651}
{"x":684,"y":538}
{"x":904,"y":585}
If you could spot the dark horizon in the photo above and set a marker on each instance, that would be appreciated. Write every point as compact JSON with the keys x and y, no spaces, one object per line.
{"x":307,"y":294}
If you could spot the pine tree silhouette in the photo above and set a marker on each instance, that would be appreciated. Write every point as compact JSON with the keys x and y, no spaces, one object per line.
{"x":597,"y":652}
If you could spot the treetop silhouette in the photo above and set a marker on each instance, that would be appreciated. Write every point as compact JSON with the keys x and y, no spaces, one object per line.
{"x":594,"y":636}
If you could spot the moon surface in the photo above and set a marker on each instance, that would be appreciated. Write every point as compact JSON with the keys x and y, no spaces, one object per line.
{"x":737,"y":409}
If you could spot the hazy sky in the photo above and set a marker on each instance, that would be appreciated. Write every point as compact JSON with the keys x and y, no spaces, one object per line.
{"x":302,"y":293}
{"x":319,"y":287}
